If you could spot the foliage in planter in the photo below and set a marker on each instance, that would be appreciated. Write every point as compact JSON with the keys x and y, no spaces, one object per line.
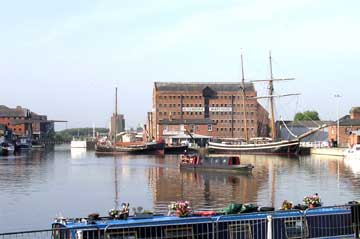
{"x":122,"y":213}
{"x":286,"y":205}
{"x":312,"y":200}
{"x":181,"y":208}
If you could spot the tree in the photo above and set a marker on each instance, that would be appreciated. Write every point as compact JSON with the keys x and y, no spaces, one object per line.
{"x":307,"y":115}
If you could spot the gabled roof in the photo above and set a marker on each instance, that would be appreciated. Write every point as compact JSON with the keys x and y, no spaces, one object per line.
{"x":199,"y":86}
{"x":347,"y":121}
{"x":355,"y":110}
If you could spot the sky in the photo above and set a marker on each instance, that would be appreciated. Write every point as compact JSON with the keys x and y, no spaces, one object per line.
{"x":64,"y":58}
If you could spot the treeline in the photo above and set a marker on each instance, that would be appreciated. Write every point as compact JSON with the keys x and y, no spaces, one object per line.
{"x":307,"y":115}
{"x":67,"y":135}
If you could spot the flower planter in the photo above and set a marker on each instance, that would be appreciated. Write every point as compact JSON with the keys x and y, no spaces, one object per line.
{"x":181,"y":214}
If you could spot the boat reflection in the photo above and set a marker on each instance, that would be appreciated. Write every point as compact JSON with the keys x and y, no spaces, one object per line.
{"x":78,"y":153}
{"x":353,"y":164}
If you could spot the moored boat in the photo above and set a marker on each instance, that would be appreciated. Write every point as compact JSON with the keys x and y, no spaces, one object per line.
{"x":330,"y":222}
{"x":23,"y":143}
{"x":138,"y":148}
{"x":214,"y":163}
{"x":272,"y":146}
{"x":6,"y":148}
{"x":77,"y":143}
{"x":175,"y":149}
{"x":279,"y":147}
{"x":353,"y":152}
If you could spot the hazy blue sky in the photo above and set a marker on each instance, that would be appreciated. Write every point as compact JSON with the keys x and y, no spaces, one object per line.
{"x":63,"y":58}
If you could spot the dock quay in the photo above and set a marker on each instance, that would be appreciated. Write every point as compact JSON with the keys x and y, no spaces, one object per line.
{"x":339,"y":152}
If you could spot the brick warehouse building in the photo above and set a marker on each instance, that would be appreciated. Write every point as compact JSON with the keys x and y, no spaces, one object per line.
{"x":22,"y":121}
{"x":206,"y":109}
{"x":349,"y":130}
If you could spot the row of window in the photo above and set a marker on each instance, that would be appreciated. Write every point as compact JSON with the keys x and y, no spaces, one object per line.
{"x":210,"y":128}
{"x":200,"y":105}
{"x":179,"y":113}
{"x":233,"y":121}
{"x":234,"y":129}
{"x":201,"y":113}
{"x":173,"y":97}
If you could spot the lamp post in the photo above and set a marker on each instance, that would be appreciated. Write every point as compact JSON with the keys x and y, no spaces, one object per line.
{"x":338,"y":120}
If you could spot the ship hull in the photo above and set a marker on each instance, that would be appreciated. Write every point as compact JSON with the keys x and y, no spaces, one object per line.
{"x":150,"y":148}
{"x":283,"y":147}
{"x":178,"y":149}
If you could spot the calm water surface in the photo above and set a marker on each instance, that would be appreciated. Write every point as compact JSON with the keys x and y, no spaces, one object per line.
{"x":39,"y":185}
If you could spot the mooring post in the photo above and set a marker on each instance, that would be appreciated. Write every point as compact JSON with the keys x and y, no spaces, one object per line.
{"x":269,"y":227}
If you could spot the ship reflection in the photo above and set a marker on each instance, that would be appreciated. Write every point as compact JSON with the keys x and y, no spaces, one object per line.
{"x":204,"y":189}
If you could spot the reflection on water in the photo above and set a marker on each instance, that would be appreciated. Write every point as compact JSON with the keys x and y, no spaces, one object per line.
{"x":77,"y":153}
{"x":353,"y":164}
{"x":38,"y":185}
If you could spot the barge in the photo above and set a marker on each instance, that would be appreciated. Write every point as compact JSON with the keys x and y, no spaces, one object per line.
{"x":323,"y":222}
{"x":214,"y":163}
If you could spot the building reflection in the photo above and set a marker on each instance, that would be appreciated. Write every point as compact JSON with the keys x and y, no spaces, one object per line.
{"x":22,"y":171}
{"x":206,"y":189}
{"x":273,"y":180}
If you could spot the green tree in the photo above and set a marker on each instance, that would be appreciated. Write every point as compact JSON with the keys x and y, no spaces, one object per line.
{"x":307,"y":115}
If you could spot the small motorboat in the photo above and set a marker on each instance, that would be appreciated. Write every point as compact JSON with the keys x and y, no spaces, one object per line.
{"x":23,"y":143}
{"x":7,"y":148}
{"x":214,"y":163}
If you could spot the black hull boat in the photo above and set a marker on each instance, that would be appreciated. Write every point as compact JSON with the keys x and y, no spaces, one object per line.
{"x":156,"y":148}
{"x":291,"y":147}
{"x":212,"y":163}
{"x":176,"y":149}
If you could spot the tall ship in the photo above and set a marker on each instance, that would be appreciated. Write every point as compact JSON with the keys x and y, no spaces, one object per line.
{"x":128,"y":143}
{"x":261,"y":145}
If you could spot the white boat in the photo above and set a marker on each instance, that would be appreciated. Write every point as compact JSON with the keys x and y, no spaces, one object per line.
{"x":78,"y":143}
{"x":353,"y":152}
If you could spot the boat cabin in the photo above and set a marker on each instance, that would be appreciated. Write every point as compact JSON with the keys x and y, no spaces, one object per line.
{"x":197,"y":160}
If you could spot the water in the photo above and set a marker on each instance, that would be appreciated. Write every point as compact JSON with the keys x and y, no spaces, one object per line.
{"x":39,"y":185}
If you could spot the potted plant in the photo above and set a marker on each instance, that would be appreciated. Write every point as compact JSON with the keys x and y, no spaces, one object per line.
{"x":312,"y":200}
{"x":122,"y":213}
{"x":181,"y":208}
{"x":114,"y":213}
{"x":286,"y":205}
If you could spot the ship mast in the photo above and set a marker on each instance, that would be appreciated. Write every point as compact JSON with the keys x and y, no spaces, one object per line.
{"x":271,"y":97}
{"x":271,"y":102}
{"x":244,"y":97}
{"x":115,"y":117}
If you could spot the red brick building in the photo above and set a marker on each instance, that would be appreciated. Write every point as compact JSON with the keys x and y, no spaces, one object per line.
{"x":349,"y":130}
{"x":22,"y":121}
{"x":207,"y":109}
